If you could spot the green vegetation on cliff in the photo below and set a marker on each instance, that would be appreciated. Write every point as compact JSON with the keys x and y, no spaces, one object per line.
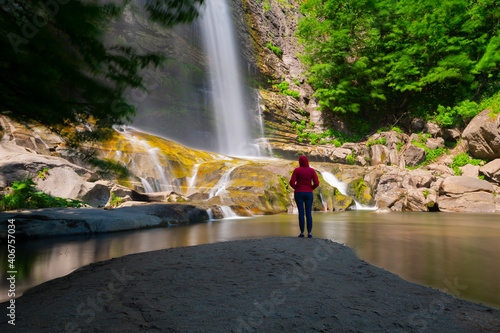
{"x":380,"y":58}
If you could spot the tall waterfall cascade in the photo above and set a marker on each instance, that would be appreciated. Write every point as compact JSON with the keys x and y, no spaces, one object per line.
{"x":226,"y":82}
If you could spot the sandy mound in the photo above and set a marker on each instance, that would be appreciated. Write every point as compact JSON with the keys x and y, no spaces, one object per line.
{"x":261,"y":285}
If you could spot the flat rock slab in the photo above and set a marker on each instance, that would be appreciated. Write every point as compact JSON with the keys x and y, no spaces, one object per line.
{"x":261,"y":285}
{"x":51,"y":222}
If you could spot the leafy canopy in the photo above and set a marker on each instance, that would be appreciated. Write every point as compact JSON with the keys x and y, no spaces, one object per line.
{"x":57,"y":67}
{"x":380,"y":57}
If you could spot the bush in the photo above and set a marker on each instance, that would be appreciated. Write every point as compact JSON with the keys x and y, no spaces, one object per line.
{"x":275,"y":49}
{"x":381,"y":141}
{"x":25,"y":195}
{"x":457,"y":115}
{"x":463,"y":159}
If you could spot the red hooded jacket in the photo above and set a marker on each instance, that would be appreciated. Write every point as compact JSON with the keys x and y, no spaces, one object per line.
{"x":304,"y":178}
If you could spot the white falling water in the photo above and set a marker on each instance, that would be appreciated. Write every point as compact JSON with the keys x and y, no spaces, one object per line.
{"x":227,"y":212}
{"x":263,"y":139}
{"x":147,"y":186}
{"x":333,"y":181}
{"x":219,"y":189}
{"x":225,"y":79}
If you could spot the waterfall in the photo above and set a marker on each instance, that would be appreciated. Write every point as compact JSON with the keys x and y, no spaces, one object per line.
{"x":262,"y":139}
{"x":228,"y":98}
{"x":219,"y":189}
{"x":333,"y":181}
{"x":147,"y":186}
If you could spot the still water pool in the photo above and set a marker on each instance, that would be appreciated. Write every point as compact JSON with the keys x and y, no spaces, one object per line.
{"x":456,"y":253}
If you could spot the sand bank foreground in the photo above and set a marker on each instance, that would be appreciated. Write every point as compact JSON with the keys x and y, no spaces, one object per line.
{"x":261,"y":285}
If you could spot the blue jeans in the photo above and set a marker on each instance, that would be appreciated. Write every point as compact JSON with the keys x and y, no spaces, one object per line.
{"x":304,"y":201}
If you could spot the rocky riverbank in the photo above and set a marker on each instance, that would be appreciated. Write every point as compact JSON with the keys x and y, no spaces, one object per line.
{"x":261,"y":285}
{"x":51,"y":222}
{"x":194,"y":185}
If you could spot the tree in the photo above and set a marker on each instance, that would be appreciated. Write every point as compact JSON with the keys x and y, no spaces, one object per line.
{"x":379,"y":57}
{"x":57,"y":67}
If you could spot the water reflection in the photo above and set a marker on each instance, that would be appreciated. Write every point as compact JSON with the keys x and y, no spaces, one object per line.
{"x":454,"y":252}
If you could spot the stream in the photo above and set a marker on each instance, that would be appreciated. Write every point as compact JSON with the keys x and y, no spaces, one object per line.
{"x":456,"y":253}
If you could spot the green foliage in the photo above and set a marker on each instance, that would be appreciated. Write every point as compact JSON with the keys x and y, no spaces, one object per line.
{"x":492,"y":103}
{"x":58,"y":69}
{"x":433,"y":154}
{"x":463,"y":159}
{"x":43,"y":173}
{"x":283,"y":88}
{"x":115,"y":201}
{"x":351,"y":158}
{"x":381,"y":141}
{"x":266,"y":5}
{"x":375,"y":58}
{"x":24,"y":195}
{"x":457,"y":115}
{"x":426,"y":193}
{"x":275,"y":49}
{"x":400,"y":145}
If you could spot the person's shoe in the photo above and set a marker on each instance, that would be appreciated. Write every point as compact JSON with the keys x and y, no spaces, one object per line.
{"x":309,"y":236}
{"x":301,"y":236}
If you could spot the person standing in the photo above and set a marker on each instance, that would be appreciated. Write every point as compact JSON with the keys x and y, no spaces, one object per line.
{"x":304,"y":180}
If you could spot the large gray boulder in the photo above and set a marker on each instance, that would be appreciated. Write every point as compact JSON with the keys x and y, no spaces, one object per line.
{"x":414,"y":155}
{"x":63,"y":179}
{"x":464,"y":184}
{"x":482,"y":136}
{"x":475,"y":202}
{"x":466,"y":194}
{"x":492,"y":170}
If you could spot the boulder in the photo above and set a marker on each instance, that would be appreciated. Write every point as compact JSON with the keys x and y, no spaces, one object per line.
{"x":414,"y":155}
{"x":466,"y":194}
{"x":420,"y":200}
{"x":432,"y":128}
{"x":436,"y":143}
{"x":458,"y":185}
{"x":342,"y":202}
{"x":392,"y":199}
{"x":417,"y":125}
{"x":50,"y":222}
{"x":470,"y":170}
{"x":450,"y":134}
{"x":482,"y":136}
{"x":101,"y":194}
{"x":492,"y":170}
{"x":340,"y":154}
{"x":62,"y":182}
{"x":52,"y":175}
{"x":379,"y":154}
{"x":418,"y":179}
{"x":472,"y":202}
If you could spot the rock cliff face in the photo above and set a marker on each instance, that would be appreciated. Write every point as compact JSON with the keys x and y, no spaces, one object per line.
{"x":266,"y":32}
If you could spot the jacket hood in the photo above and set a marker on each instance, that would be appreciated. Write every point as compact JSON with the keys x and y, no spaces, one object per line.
{"x":303,"y":161}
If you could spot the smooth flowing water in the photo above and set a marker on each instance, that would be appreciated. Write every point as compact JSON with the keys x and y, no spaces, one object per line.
{"x":456,"y":253}
{"x":226,"y":82}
